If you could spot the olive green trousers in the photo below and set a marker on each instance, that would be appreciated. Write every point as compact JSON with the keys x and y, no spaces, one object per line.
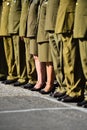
{"x":19,"y":52}
{"x":10,"y":59}
{"x":72,"y":65}
{"x":83,"y":55}
{"x":3,"y":63}
{"x":30,"y":63}
{"x":56,"y":45}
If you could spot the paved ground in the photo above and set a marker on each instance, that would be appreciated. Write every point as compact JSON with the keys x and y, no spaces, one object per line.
{"x":22,"y":109}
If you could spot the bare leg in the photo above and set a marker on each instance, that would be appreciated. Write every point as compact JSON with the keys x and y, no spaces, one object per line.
{"x":50,"y":77}
{"x":41,"y":73}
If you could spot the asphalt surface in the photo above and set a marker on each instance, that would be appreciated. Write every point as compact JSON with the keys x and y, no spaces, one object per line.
{"x":21,"y":109}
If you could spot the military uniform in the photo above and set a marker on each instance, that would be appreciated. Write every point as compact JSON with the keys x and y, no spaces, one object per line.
{"x":32,"y":26}
{"x":0,"y":11}
{"x":14,"y":23}
{"x":8,"y":43}
{"x":30,"y":65}
{"x":80,"y":33}
{"x":64,"y":26}
{"x":44,"y":53}
{"x":55,"y":41}
{"x":3,"y":66}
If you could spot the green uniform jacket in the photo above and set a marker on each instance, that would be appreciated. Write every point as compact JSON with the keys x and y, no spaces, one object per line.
{"x":65,"y":16}
{"x":51,"y":14}
{"x":23,"y":18}
{"x":0,"y":14}
{"x":32,"y":23}
{"x":14,"y":16}
{"x":42,"y":35}
{"x":4,"y":17}
{"x":80,"y":26}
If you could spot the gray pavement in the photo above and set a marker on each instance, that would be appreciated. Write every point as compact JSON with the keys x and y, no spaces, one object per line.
{"x":21,"y":109}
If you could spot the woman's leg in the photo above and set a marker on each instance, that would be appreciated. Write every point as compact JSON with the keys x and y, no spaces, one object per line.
{"x":50,"y":78}
{"x":41,"y":73}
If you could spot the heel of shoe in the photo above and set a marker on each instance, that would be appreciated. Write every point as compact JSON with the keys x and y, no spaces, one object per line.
{"x":38,"y":86}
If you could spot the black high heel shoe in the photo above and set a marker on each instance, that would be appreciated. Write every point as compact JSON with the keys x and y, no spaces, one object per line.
{"x":38,"y":89}
{"x":42,"y":91}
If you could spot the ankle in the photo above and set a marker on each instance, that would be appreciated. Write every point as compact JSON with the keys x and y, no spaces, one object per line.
{"x":48,"y":87}
{"x":39,"y":84}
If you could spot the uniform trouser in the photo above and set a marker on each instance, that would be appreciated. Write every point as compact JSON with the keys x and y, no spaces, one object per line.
{"x":31,"y":70}
{"x":83,"y":54}
{"x":9,"y":53}
{"x":3,"y":64}
{"x":72,"y":66}
{"x":19,"y":52}
{"x":56,"y":46}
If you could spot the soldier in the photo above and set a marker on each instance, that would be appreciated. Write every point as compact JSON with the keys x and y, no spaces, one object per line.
{"x":3,"y":66}
{"x":64,"y":26}
{"x":55,"y":44}
{"x":8,"y":43}
{"x":30,"y":65}
{"x":14,"y":21}
{"x":32,"y":34}
{"x":44,"y":49}
{"x":80,"y":33}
